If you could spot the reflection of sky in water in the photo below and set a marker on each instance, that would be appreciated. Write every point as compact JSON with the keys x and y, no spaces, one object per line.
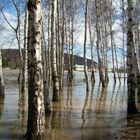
{"x":96,"y":115}
{"x":79,"y":116}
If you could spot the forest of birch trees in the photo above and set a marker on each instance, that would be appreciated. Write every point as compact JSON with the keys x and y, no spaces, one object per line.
{"x":45,"y":30}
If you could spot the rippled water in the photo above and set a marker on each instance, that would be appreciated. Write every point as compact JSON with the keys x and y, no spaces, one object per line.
{"x":97,"y":115}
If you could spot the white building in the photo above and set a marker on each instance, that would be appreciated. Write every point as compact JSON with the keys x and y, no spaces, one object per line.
{"x":79,"y":67}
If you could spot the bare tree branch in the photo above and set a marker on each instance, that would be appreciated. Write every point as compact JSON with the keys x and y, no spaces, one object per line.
{"x":7,"y":20}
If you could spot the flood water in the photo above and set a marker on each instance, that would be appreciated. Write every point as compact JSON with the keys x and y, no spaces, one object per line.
{"x":96,"y":115}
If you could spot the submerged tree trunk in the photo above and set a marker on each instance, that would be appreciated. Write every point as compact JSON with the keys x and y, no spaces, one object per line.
{"x":72,"y":9}
{"x":1,"y":78}
{"x":45,"y":75}
{"x":123,"y":42}
{"x":85,"y":41}
{"x":69,"y":76}
{"x":25,"y":56}
{"x":63,"y":45}
{"x":112,"y":43}
{"x":131,"y":63}
{"x":18,"y":37}
{"x":69,"y":79}
{"x":53,"y":54}
{"x":58,"y":41}
{"x":49,"y":46}
{"x":72,"y":45}
{"x":102,"y":79}
{"x":91,"y":45}
{"x":116,"y":58}
{"x":36,"y":111}
{"x":106,"y":57}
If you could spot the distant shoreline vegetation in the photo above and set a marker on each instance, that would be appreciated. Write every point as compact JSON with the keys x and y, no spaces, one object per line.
{"x":11,"y":59}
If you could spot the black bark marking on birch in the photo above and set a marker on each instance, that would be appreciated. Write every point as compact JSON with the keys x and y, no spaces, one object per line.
{"x":32,"y":5}
{"x":39,"y":21}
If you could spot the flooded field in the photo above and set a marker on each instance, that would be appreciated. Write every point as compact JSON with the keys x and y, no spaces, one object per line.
{"x":96,"y":115}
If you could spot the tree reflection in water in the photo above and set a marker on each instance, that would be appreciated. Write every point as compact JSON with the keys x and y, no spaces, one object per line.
{"x":97,"y":114}
{"x":1,"y":106}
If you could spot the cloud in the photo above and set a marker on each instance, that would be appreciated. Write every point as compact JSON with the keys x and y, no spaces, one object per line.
{"x":8,"y":39}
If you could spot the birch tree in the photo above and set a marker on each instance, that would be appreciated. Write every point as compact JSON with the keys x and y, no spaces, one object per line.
{"x":85,"y":41}
{"x":91,"y":45}
{"x":123,"y":32}
{"x":63,"y":44}
{"x":69,"y":78}
{"x":45,"y":75}
{"x":70,"y":15}
{"x":106,"y":55}
{"x":48,"y":51}
{"x":100,"y":66}
{"x":25,"y":53}
{"x":131,"y":62}
{"x":53,"y":53}
{"x":60,"y":38}
{"x":112,"y":43}
{"x":18,"y":37}
{"x":36,"y":111}
{"x":137,"y":39}
{"x":71,"y":11}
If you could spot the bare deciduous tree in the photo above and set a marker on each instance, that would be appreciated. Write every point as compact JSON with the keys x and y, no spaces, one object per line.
{"x":36,"y":111}
{"x":85,"y":41}
{"x":53,"y":53}
{"x":131,"y":62}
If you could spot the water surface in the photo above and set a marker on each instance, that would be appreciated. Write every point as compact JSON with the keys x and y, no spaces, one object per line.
{"x":96,"y":115}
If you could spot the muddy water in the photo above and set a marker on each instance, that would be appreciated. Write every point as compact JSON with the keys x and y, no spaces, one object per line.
{"x":96,"y":115}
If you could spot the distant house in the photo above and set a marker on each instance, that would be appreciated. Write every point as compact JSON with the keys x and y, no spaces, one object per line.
{"x":78,"y":62}
{"x":79,"y":67}
{"x":109,"y":70}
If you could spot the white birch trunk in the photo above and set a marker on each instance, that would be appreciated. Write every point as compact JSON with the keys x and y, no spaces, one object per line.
{"x":53,"y":54}
{"x":36,"y":111}
{"x":98,"y":43}
{"x":112,"y":44}
{"x":25,"y":62}
{"x":91,"y":45}
{"x":131,"y":63}
{"x":63,"y":45}
{"x":123,"y":31}
{"x":45,"y":76}
{"x":85,"y":41}
{"x":49,"y":47}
